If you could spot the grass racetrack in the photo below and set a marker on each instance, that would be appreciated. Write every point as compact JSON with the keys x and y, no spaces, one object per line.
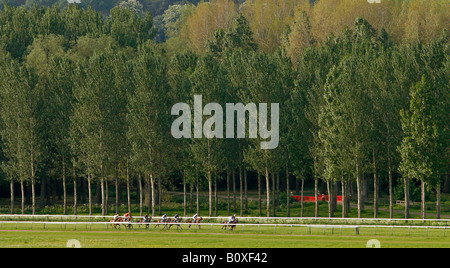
{"x":56,"y":237}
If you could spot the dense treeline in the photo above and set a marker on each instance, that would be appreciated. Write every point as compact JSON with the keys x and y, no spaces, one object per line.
{"x":156,"y":7}
{"x":363,"y":91}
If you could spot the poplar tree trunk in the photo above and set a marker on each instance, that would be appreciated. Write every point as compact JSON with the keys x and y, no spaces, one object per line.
{"x":75,"y":194}
{"x":106,"y":196}
{"x":198,"y":204}
{"x":241,"y":192}
{"x":359,"y":191}
{"x":128,"y":190}
{"x":245,"y":190}
{"x":277,"y":192}
{"x":152,"y":191}
{"x":391,"y":192}
{"x":159,"y":195}
{"x":228,"y":191}
{"x":141,"y":198}
{"x":301,"y":196}
{"x":234,"y":189}
{"x":335,"y":193}
{"x":375,"y":187}
{"x":102,"y":186}
{"x":116,"y":182}
{"x":148,"y":194}
{"x":89,"y":195}
{"x":330,"y":198}
{"x":423,"y":214}
{"x":33,"y":182}
{"x":64,"y":187}
{"x":209,"y":178}
{"x":23,"y":196}
{"x":259,"y":195}
{"x":344,"y":198}
{"x":12,"y":195}
{"x":438,"y":200}
{"x":184,"y":194}
{"x":316,"y":196}
{"x":273,"y":194}
{"x":191,"y":198}
{"x":406,"y":190}
{"x":215,"y":195}
{"x":389,"y":162}
{"x":267,"y":190}
{"x":210,"y":192}
{"x":288,"y":195}
{"x":33,"y":195}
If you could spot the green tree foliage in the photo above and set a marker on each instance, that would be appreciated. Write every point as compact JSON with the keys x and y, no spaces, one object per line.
{"x":148,"y":119}
{"x":420,"y":145}
{"x":46,"y":3}
{"x":16,"y":31}
{"x":129,"y":28}
{"x":208,"y":81}
{"x":20,"y":130}
{"x":98,"y":119}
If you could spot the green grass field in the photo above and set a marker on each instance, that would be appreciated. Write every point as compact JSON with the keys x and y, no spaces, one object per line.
{"x":96,"y":236}
{"x":40,"y":235}
{"x":112,"y":239}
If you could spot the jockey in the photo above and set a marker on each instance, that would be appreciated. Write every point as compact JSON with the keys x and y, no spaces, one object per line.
{"x":195,"y":217}
{"x":146,"y":218}
{"x":127,"y":216}
{"x":176,"y":217}
{"x":116,"y":217}
{"x":164,"y":218}
{"x":232,"y":219}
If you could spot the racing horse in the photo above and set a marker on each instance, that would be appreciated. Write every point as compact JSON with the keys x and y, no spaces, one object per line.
{"x":146,"y":222}
{"x":160,"y":222}
{"x":127,"y":223}
{"x":177,"y":222}
{"x":120,"y":219}
{"x":191,"y":221}
{"x":231,"y":225}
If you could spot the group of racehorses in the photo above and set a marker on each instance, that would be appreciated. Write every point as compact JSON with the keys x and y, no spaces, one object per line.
{"x":168,"y":223}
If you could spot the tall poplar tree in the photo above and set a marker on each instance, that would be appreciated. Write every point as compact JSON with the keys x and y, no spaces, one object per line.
{"x":148,"y":117}
{"x":20,"y":125}
{"x":420,"y":146}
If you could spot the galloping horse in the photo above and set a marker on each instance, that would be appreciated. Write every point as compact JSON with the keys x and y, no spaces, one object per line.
{"x":142,"y":221}
{"x":160,"y":221}
{"x":128,"y":224}
{"x":177,"y":223}
{"x":191,"y":221}
{"x":231,"y":225}
{"x":120,"y":219}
